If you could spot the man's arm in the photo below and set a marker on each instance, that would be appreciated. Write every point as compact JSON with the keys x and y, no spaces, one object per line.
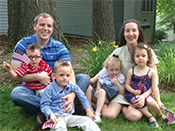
{"x":41,"y":77}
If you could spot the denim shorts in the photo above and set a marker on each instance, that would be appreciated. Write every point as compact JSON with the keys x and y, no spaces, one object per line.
{"x":110,"y":92}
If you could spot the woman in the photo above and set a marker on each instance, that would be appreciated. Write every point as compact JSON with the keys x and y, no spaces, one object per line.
{"x":131,"y":34}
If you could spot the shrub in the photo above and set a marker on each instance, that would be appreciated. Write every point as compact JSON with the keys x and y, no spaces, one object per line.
{"x":96,"y":54}
{"x":166,"y":67}
{"x":160,"y":34}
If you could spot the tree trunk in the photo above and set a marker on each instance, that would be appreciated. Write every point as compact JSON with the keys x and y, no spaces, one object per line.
{"x":103,"y":20}
{"x":21,"y":14}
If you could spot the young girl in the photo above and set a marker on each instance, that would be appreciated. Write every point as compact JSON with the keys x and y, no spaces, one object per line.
{"x":108,"y":86}
{"x":140,"y":78}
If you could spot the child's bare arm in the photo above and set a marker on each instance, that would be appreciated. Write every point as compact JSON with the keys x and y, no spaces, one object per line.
{"x":53,"y":118}
{"x":120,"y":87}
{"x":8,"y":68}
{"x":89,"y":113}
{"x":127,"y":84}
{"x":94,"y":79}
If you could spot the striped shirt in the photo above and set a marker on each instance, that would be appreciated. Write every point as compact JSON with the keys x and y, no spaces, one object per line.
{"x":27,"y":69}
{"x":52,"y":52}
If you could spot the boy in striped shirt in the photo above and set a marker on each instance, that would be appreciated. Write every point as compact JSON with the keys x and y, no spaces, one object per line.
{"x":36,"y":65}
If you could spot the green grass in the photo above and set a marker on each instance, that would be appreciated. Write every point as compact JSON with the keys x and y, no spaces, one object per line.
{"x":14,"y":118}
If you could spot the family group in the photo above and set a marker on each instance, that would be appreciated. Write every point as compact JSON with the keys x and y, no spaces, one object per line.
{"x":51,"y":88}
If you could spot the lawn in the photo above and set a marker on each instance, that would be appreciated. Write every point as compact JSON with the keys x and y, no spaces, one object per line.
{"x":17,"y":119}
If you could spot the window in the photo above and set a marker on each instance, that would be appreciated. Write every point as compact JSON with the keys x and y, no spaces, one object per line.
{"x":147,"y":6}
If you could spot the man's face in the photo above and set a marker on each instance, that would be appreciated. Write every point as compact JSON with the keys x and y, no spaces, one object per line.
{"x":44,"y":28}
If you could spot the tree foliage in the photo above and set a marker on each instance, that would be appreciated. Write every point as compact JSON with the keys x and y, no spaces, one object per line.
{"x":166,"y":14}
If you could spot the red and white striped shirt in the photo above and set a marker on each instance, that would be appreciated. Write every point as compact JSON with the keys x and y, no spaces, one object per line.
{"x":27,"y":69}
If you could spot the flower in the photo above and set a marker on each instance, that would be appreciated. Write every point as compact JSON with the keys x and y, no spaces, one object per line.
{"x":99,"y":42}
{"x":113,"y":42}
{"x":115,"y":46}
{"x":94,"y":49}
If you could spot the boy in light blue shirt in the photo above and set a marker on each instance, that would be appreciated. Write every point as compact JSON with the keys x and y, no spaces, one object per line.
{"x":51,"y":101}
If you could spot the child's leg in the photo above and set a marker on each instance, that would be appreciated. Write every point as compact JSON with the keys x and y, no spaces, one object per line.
{"x":102,"y":98}
{"x":147,"y":114}
{"x":61,"y":125}
{"x":89,"y":94}
{"x":154,"y":107}
{"x":83,"y":122}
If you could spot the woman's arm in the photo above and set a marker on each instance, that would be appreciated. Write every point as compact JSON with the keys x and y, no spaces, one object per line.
{"x":155,"y":88}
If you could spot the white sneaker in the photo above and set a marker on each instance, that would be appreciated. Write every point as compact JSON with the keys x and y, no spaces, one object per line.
{"x":97,"y":117}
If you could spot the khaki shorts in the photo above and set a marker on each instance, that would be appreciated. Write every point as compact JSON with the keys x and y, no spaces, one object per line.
{"x":121,"y":99}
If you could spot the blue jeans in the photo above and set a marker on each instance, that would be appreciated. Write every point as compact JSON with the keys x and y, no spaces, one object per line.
{"x":26,"y":98}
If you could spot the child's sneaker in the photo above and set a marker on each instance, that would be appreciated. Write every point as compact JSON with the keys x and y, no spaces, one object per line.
{"x":97,"y":117}
{"x":154,"y":124}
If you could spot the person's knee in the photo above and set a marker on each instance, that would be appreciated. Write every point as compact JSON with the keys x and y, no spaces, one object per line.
{"x":102,"y":92}
{"x":131,"y":114}
{"x":14,"y":96}
{"x":109,"y":115}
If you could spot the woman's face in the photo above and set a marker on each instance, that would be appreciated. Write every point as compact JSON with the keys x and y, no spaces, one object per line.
{"x":131,"y":33}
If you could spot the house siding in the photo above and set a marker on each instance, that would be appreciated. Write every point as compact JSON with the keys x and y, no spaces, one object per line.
{"x":118,"y":8}
{"x":3,"y":17}
{"x":75,"y":16}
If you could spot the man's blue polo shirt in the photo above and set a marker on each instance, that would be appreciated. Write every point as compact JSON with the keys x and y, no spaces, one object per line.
{"x":54,"y":51}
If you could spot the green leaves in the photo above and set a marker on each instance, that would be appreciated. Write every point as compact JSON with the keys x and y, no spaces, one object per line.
{"x":95,"y":55}
{"x":166,"y":67}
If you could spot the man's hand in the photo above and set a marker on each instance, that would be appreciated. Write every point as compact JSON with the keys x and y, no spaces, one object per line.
{"x":139,"y":102}
{"x":70,"y":100}
{"x":44,"y":78}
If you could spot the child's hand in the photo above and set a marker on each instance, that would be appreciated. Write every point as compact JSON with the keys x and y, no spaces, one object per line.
{"x":88,"y":76}
{"x":96,"y":93}
{"x":89,"y":113}
{"x":137,"y":92}
{"x":160,"y":104}
{"x":6,"y":66}
{"x":53,"y":118}
{"x":115,"y":80}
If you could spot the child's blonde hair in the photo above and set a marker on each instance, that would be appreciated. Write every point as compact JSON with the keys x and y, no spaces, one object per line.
{"x":112,"y":60}
{"x":142,"y":45}
{"x":60,"y":63}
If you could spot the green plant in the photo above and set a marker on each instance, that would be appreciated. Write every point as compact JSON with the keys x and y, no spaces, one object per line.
{"x":166,"y":55}
{"x":95,"y":55}
{"x":160,"y":34}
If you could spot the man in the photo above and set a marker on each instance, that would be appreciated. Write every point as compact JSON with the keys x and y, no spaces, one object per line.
{"x":52,"y":51}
